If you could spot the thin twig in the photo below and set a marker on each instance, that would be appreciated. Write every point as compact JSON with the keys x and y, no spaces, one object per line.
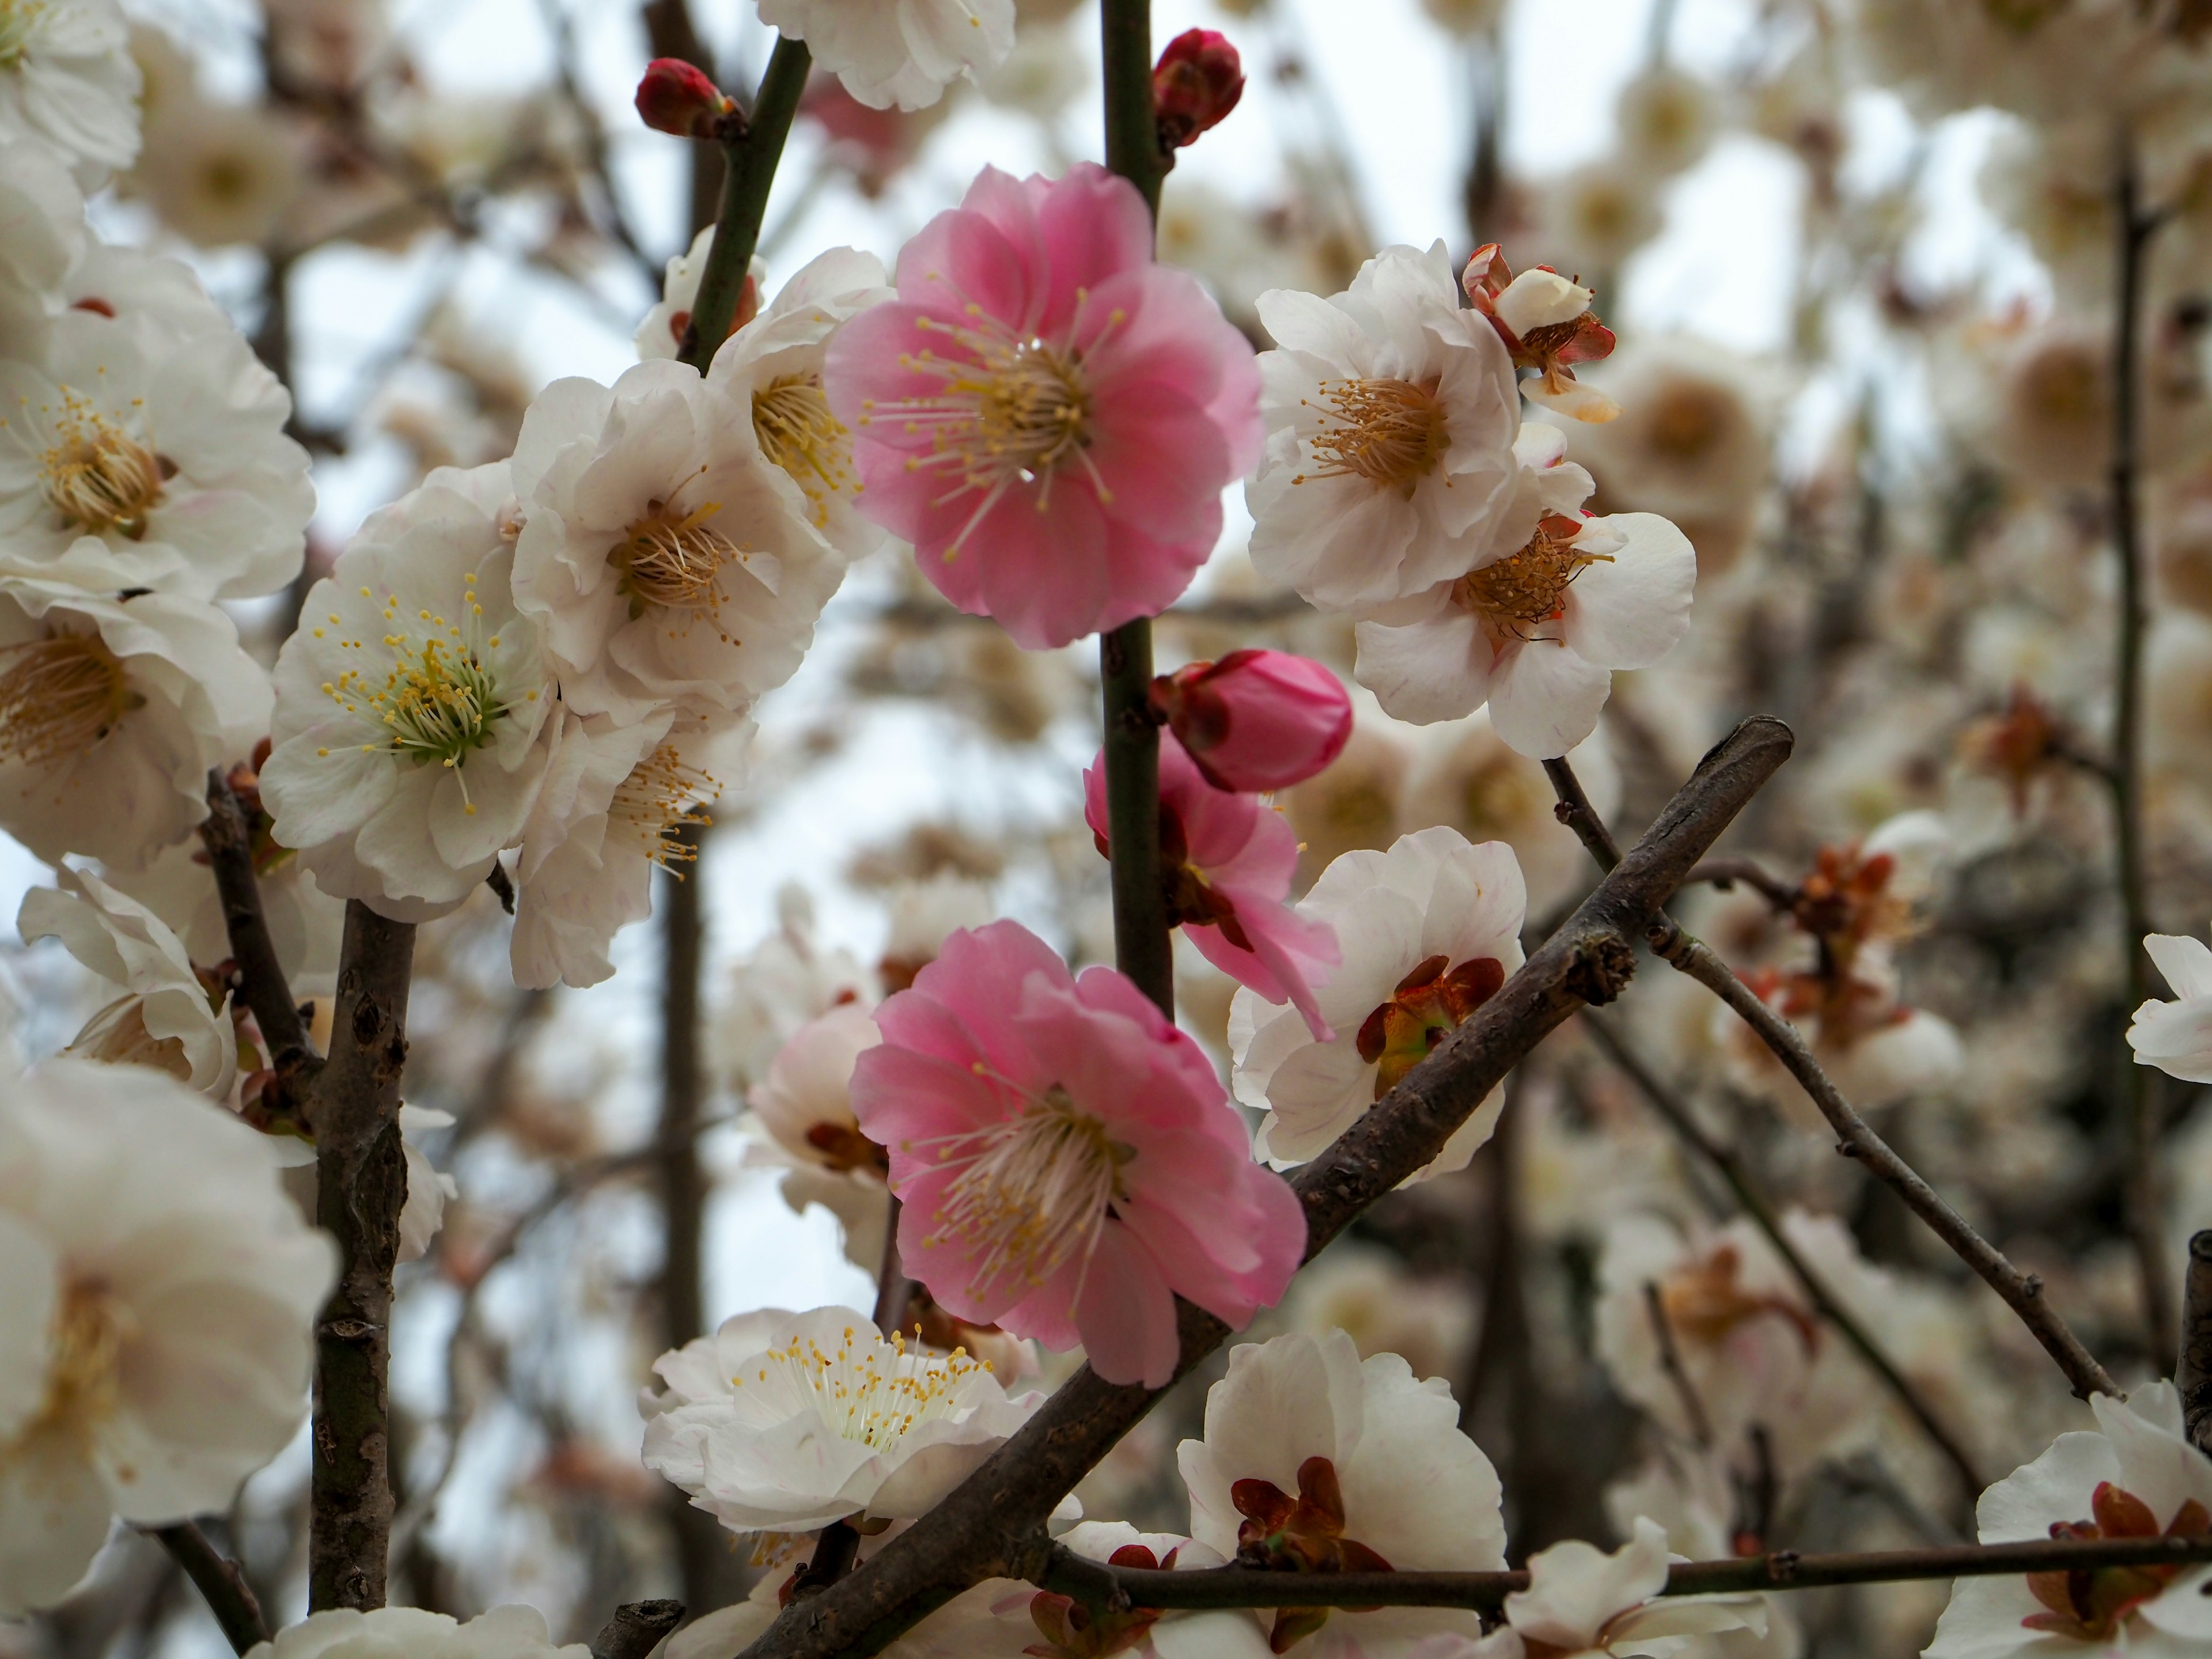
{"x":1057,"y":1568}
{"x":2022,"y":1292}
{"x":1670,"y":1361}
{"x":220,"y":1581}
{"x":229,"y":838}
{"x":2140,"y":1195}
{"x":894,"y":1290}
{"x":991,"y":1522}
{"x":1754,"y":1204}
{"x":637,"y":1629}
{"x":2192,"y":1375}
{"x":1141,"y":946}
{"x":1725,"y":873}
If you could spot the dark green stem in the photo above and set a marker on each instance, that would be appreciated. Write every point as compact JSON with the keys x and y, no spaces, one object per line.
{"x":749,"y":164}
{"x":1132,"y":128}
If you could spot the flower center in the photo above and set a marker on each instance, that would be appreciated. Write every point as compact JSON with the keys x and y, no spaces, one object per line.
{"x":868,"y":1389}
{"x":1686,"y":422}
{"x":2091,"y":1603}
{"x":1704,"y":1304}
{"x":674,"y":563}
{"x":657,"y":799}
{"x":84,"y":1377}
{"x":19,"y":21}
{"x":1032,"y":1191}
{"x":1305,"y":1534}
{"x":439,"y":703}
{"x":1008,"y":409}
{"x":118,"y":1035}
{"x":98,"y":477}
{"x":59,"y":696}
{"x":1526,"y":589}
{"x":792,"y":419}
{"x":1428,"y":1003}
{"x":1391,"y":433}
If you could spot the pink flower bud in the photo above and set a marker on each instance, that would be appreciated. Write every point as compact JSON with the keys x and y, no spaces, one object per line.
{"x":675,"y":97}
{"x":1256,"y":719}
{"x":1197,"y":81}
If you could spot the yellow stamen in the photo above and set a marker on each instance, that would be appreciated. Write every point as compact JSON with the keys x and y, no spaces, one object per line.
{"x":59,"y":696}
{"x":1391,"y":433}
{"x":792,"y":419}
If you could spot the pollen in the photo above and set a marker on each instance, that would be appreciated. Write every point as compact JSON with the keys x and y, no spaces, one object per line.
{"x":672,"y":561}
{"x":437,"y":703}
{"x":59,"y":696}
{"x":656,"y":801}
{"x":1391,"y":433}
{"x":1527,"y":589}
{"x":84,"y":1373}
{"x":865,"y":1388}
{"x":792,"y":419}
{"x":98,"y":477}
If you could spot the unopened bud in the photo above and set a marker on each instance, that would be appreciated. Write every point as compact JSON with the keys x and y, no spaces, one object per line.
{"x":1196,"y":83}
{"x":1256,"y":719}
{"x":676,"y":97}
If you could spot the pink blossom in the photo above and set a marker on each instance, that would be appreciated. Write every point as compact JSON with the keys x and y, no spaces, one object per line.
{"x":1068,"y":1160}
{"x":1047,"y":415}
{"x":1227,"y":861}
{"x":1256,"y":719}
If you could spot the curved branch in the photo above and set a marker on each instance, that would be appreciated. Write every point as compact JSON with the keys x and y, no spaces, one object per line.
{"x":229,"y":838}
{"x":220,"y":1581}
{"x":637,"y":1629}
{"x":990,"y":1524}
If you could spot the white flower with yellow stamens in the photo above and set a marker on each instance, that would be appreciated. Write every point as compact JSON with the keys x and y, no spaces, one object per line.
{"x":67,"y":76}
{"x":667,"y":561}
{"x":615,"y":798}
{"x":412,"y":726}
{"x":1391,"y":413}
{"x":135,"y":455}
{"x":112,"y":713}
{"x":784,"y":1422}
{"x":897,"y":51}
{"x":165,"y":1015}
{"x":773,"y":365}
{"x":158,"y":1294}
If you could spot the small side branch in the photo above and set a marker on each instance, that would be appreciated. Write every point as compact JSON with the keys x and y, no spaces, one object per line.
{"x":229,"y":838}
{"x":2193,"y":1375}
{"x":637,"y":1629}
{"x":1670,"y":1361}
{"x":1141,"y":947}
{"x":220,"y":1581}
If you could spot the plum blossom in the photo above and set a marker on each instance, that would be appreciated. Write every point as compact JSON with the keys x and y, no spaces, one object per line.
{"x":788,"y":979}
{"x":1546,"y":324}
{"x":157,"y":1325}
{"x":1582,"y":1603}
{"x":513,"y":1633}
{"x":413,"y":724}
{"x":1538,"y":634}
{"x":773,"y":367}
{"x":784,"y":1422}
{"x":2134,"y":1476}
{"x":67,"y":76}
{"x":614,"y":800}
{"x":168,"y":1016}
{"x":2177,"y":1036}
{"x":666,"y":559}
{"x":1428,"y":931}
{"x":1316,"y":1460}
{"x":1227,"y":861}
{"x":1390,"y":414}
{"x":42,"y":234}
{"x":904,"y":52}
{"x":802,"y":1109}
{"x":149,"y":451}
{"x":1068,"y":1161}
{"x":661,"y":333}
{"x":1046,"y":414}
{"x":113,"y":712}
{"x":1256,"y":719}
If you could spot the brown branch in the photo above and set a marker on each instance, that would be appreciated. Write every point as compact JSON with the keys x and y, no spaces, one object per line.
{"x":894,"y":1290}
{"x":228,"y":837}
{"x":2192,"y":1375}
{"x":1725,"y":873}
{"x":1670,"y":1361}
{"x":2022,"y":1292}
{"x":1754,"y":1204}
{"x":360,"y":1186}
{"x":1058,"y":1569}
{"x":220,"y":1581}
{"x":990,"y":1524}
{"x":637,"y":1629}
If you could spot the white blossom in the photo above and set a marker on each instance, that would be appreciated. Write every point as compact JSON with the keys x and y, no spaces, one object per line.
{"x":305,"y":923}
{"x":1391,"y":412}
{"x":66,"y":76}
{"x":158,"y":1293}
{"x":773,"y":367}
{"x":897,"y":51}
{"x":1582,"y":1602}
{"x":666,"y":560}
{"x":41,"y":235}
{"x":165,"y":1016}
{"x":1428,"y":930}
{"x":412,"y":724}
{"x":2177,"y":1036}
{"x":1377,"y":1463}
{"x":784,"y":1422}
{"x":513,"y":1633}
{"x":661,"y":333}
{"x":113,"y":712}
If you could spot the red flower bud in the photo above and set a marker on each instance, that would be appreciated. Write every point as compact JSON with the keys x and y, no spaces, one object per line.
{"x":675,"y":97}
{"x":1256,"y":719}
{"x":1196,"y":83}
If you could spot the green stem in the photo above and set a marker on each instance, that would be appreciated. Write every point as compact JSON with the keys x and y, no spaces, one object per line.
{"x":1132,"y":131}
{"x":749,"y":164}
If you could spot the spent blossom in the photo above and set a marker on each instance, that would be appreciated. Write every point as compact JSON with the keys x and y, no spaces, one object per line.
{"x":1427,"y":933}
{"x":1226,"y":861}
{"x":158,"y":1332}
{"x":1046,"y":414}
{"x":782,"y":1422}
{"x":1546,"y":322}
{"x":904,"y":52}
{"x":1068,"y":1161}
{"x":1256,"y":720}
